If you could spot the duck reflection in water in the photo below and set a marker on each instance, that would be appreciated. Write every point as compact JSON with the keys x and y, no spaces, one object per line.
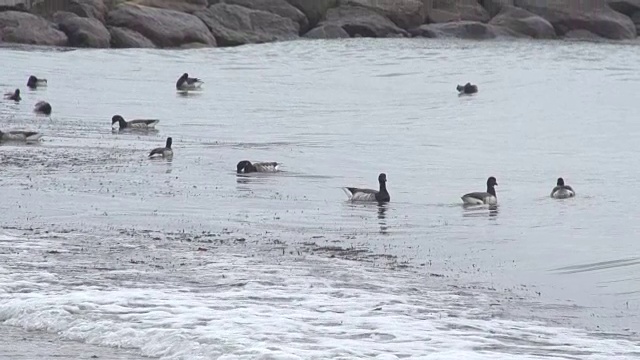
{"x":382,"y":218}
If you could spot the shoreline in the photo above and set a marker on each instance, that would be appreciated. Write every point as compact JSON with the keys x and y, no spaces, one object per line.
{"x":192,"y":24}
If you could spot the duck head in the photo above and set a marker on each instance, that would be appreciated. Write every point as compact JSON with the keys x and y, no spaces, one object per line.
{"x":169,"y":141}
{"x":120,"y":120}
{"x":382,"y":178}
{"x":459,"y":87}
{"x":491,"y":182}
{"x":560,"y":182}
{"x":32,"y":82}
{"x":245,"y":166}
{"x":44,"y":107}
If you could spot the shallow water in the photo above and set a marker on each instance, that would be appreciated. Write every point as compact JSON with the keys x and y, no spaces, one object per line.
{"x":183,"y":259}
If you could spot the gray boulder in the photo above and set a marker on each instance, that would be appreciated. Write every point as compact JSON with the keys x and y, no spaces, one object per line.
{"x":315,"y":10}
{"x":583,"y":35}
{"x":165,"y":28}
{"x":362,"y":22}
{"x":82,"y":32}
{"x":472,"y":30}
{"x":593,"y":16}
{"x":524,"y":22}
{"x":442,"y":11}
{"x":407,"y":14}
{"x":627,"y":7}
{"x":234,"y":25}
{"x":188,"y":6}
{"x":278,"y":7}
{"x":328,"y":31}
{"x":636,"y":20}
{"x":125,"y":38}
{"x":493,"y":7}
{"x":24,"y":28}
{"x":95,"y":9}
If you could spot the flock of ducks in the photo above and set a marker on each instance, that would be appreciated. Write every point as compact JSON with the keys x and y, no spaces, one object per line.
{"x":186,"y":83}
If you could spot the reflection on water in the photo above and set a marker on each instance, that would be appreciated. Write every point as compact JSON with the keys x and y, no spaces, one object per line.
{"x":382,"y":211}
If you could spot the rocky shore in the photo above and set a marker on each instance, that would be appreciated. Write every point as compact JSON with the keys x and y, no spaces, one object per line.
{"x":210,"y":23}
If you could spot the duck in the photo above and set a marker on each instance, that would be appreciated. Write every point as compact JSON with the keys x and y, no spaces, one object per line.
{"x":187,"y":83}
{"x":42,"y":107}
{"x":245,"y":167}
{"x":15,"y":96}
{"x":34,"y":82}
{"x":133,"y":124}
{"x":480,"y":198}
{"x":382,"y":195}
{"x":467,"y":89}
{"x":19,"y":135}
{"x":165,"y":151}
{"x":562,"y":191}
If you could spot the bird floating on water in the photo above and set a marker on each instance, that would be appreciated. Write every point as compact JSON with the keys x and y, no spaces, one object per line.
{"x":382,"y":195}
{"x":562,"y":191}
{"x":138,"y":124}
{"x":245,"y":167}
{"x":34,"y":82}
{"x":467,"y":89}
{"x":480,"y":198}
{"x":15,"y":96}
{"x":42,"y":107}
{"x":187,"y":83}
{"x":19,"y":135}
{"x":164,"y":152}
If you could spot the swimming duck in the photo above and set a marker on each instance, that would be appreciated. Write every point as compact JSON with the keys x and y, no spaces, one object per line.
{"x":245,"y":166}
{"x":42,"y":107}
{"x":187,"y":83}
{"x":467,"y":89}
{"x":480,"y":198}
{"x":381,"y":195}
{"x":165,"y":151}
{"x":15,"y":96}
{"x":562,"y":191}
{"x":18,"y":135}
{"x":34,"y":82}
{"x":133,"y":124}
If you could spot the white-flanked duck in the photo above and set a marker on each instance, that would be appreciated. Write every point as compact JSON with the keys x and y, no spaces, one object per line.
{"x":42,"y":107}
{"x":164,"y":152}
{"x":562,"y":191}
{"x":142,"y":124}
{"x":382,"y":195}
{"x":187,"y":83}
{"x":15,"y":96}
{"x":34,"y":82}
{"x":481,"y":198}
{"x":467,"y":89}
{"x":246,"y":166}
{"x":19,"y":135}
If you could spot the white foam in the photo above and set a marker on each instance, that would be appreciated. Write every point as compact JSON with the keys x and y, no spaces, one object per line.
{"x":230,"y":304}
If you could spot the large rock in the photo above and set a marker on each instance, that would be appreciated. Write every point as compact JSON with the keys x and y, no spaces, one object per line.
{"x":95,"y":9}
{"x":83,"y":32}
{"x":237,"y":25}
{"x":591,"y":15}
{"x":473,"y":30}
{"x":165,"y":28}
{"x":278,"y":7}
{"x":359,"y":21}
{"x":583,"y":35}
{"x":627,"y":7}
{"x":442,"y":11}
{"x":407,"y":14}
{"x":315,"y":10}
{"x":25,"y":28}
{"x":524,"y":22}
{"x":493,"y":7}
{"x":124,"y":38}
{"x":636,"y":20}
{"x":328,"y":31}
{"x":188,"y":6}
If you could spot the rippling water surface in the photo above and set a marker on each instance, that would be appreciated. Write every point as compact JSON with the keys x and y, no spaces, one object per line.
{"x":102,"y":248}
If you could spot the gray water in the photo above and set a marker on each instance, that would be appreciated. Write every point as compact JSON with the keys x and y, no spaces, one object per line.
{"x":87,"y":208}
